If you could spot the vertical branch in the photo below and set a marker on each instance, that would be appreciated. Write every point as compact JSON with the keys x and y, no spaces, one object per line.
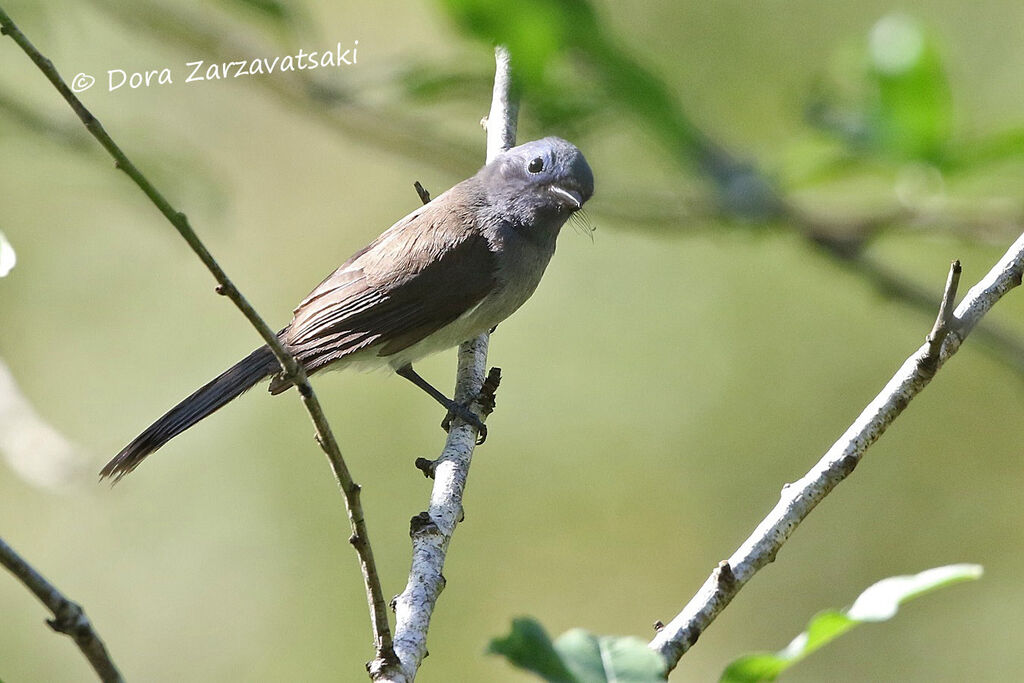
{"x":432,"y":529}
{"x":503,"y":118}
{"x":68,"y":617}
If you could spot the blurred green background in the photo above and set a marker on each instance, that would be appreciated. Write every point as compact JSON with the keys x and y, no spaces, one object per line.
{"x":667,"y":379}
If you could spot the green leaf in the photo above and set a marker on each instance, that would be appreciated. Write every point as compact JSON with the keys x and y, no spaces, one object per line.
{"x":529,"y":647}
{"x":879,"y":602}
{"x":7,"y":256}
{"x":579,"y":656}
{"x":542,"y":34}
{"x":913,"y":113}
{"x":596,"y":659}
{"x":535,"y":31}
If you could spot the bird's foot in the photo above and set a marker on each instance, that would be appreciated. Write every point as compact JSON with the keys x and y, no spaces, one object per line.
{"x":462,"y":411}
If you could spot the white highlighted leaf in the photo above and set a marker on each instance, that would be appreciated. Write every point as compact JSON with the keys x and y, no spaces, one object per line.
{"x":7,"y":256}
{"x":878,"y":603}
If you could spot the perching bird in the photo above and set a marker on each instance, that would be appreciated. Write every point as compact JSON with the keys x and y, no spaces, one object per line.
{"x":447,"y":272}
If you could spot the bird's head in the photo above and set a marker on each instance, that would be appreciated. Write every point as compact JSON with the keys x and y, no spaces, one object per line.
{"x":540,"y":180}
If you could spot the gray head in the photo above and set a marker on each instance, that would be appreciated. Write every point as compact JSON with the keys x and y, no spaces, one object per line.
{"x":543,"y":181}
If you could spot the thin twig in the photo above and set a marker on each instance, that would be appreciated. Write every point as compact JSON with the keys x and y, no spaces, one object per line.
{"x":798,"y":499}
{"x":68,"y":617}
{"x":944,"y":321}
{"x":432,"y":530}
{"x":422,"y":192}
{"x":291,"y":368}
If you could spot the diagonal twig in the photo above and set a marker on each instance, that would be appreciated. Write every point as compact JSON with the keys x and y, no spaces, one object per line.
{"x":68,"y":617}
{"x":290,"y":367}
{"x":799,"y":498}
{"x":422,"y":192}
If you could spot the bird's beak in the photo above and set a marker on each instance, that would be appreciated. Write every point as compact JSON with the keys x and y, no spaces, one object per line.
{"x":572,"y":198}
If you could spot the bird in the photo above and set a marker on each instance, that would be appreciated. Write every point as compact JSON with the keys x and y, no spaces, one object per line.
{"x":445,"y":273}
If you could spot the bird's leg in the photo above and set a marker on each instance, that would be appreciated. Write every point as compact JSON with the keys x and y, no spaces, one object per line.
{"x":455,"y":409}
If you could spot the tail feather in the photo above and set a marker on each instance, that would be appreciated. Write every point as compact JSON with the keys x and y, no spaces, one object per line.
{"x":206,"y":400}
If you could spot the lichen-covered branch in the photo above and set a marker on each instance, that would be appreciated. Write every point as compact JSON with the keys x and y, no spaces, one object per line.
{"x":432,"y":529}
{"x":799,"y":498}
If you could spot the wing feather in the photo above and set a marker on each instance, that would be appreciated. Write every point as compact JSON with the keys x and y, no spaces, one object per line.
{"x":420,"y":275}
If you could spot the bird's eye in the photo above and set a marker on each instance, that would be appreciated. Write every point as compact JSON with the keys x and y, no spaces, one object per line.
{"x":536,"y":166}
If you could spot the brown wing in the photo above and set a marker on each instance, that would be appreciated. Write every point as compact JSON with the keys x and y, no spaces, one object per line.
{"x":420,"y":275}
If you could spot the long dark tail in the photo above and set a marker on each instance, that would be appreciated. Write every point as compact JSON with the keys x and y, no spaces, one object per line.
{"x":242,"y":376}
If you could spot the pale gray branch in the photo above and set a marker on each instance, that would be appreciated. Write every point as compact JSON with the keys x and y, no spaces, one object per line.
{"x":503,"y":118}
{"x":432,"y":530}
{"x":799,"y":498}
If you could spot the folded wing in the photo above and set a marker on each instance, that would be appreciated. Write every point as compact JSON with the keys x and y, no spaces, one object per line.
{"x":397,"y":291}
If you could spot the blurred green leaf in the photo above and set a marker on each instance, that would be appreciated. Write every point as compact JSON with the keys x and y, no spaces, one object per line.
{"x":878,"y":603}
{"x":535,"y":31}
{"x":579,"y":656}
{"x":914,"y":108}
{"x":596,"y":659}
{"x":528,"y":646}
{"x":907,"y":111}
{"x":541,"y":35}
{"x":1002,"y":146}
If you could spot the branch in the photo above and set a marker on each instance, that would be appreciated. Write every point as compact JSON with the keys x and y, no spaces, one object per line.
{"x":292,"y":370}
{"x":503,"y":118}
{"x":799,"y":498}
{"x":432,"y":529}
{"x":944,"y":322}
{"x":68,"y":617}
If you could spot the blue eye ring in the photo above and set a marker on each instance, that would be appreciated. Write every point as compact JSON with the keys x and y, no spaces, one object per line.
{"x":536,"y":166}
